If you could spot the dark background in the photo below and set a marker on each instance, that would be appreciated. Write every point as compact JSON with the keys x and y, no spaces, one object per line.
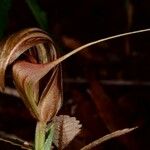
{"x":107,"y":84}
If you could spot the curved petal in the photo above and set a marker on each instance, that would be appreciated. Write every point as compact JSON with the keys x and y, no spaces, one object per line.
{"x":51,"y":98}
{"x":16,"y":45}
{"x":27,"y":77}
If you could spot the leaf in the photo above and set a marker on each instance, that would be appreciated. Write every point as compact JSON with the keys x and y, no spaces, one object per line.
{"x":5,"y":6}
{"x":14,"y":140}
{"x":66,"y":128}
{"x":108,"y":137}
{"x":48,"y":142}
{"x":38,"y":13}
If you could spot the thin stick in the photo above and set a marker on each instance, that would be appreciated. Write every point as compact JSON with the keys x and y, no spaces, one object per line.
{"x":13,"y":140}
{"x":107,"y":137}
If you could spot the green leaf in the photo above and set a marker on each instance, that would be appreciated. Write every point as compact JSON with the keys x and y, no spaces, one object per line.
{"x":50,"y":134}
{"x":38,"y":13}
{"x":4,"y":11}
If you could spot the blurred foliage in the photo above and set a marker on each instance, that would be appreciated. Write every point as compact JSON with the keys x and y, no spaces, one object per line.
{"x":5,"y":6}
{"x":38,"y":13}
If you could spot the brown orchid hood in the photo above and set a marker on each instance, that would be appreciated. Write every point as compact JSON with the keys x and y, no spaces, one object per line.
{"x":39,"y":83}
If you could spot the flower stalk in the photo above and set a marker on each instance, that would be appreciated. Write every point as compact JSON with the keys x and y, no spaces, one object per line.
{"x":40,"y":135}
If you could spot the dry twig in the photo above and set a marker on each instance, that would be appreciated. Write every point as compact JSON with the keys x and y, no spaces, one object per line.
{"x":14,"y":140}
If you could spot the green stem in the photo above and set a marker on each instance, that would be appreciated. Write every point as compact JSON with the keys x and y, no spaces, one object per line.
{"x":40,"y":135}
